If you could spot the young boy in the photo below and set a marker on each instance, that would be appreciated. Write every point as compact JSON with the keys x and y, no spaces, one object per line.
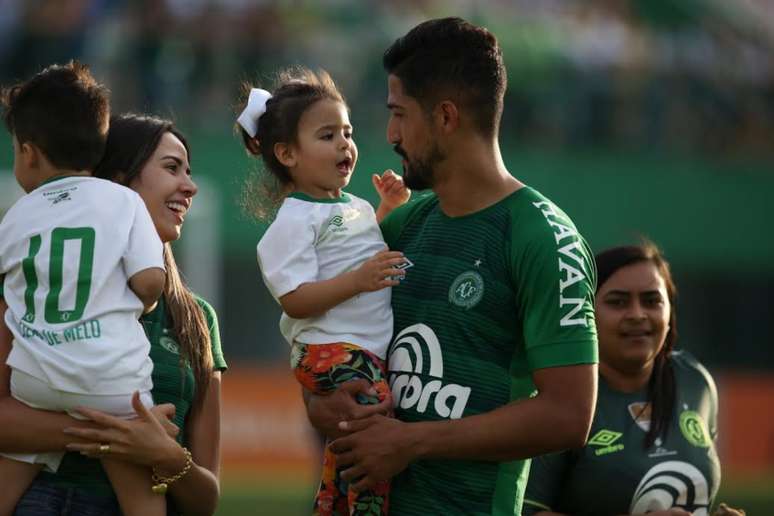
{"x":80,"y":260}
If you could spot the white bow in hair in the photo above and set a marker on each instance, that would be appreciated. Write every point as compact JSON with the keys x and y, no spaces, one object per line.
{"x":256,"y":106}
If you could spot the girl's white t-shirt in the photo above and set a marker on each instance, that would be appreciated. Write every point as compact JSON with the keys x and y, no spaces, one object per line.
{"x":313,"y":240}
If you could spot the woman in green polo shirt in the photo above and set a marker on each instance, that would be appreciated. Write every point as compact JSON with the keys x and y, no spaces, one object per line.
{"x":150,"y":156}
{"x":652,"y":443}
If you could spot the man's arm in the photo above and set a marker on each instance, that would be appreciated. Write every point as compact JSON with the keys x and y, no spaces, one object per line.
{"x":559,"y":417}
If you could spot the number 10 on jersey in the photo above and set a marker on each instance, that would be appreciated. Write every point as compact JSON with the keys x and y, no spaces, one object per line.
{"x":52,"y":312}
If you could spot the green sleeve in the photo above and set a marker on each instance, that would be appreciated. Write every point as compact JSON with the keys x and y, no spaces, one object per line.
{"x":546,"y":476}
{"x":555,"y":279}
{"x":218,"y":361}
{"x":2,"y":282}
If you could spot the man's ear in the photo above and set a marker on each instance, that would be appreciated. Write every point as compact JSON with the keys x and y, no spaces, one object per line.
{"x":447,"y":116}
{"x":285,"y":154}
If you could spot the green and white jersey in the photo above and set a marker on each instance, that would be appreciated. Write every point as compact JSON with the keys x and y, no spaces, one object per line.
{"x":491,"y":297}
{"x":173,"y":382}
{"x":319,"y":239}
{"x":67,"y":250}
{"x":615,"y":474}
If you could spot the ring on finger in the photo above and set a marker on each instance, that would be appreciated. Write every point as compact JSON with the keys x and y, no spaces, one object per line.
{"x":104,"y":449}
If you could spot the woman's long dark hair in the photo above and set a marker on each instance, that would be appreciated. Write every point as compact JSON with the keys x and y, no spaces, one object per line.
{"x":662,"y":388}
{"x":132,"y":140}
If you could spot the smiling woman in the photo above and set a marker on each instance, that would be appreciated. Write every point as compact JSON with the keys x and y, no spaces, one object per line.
{"x":165,"y":184}
{"x":652,"y":440}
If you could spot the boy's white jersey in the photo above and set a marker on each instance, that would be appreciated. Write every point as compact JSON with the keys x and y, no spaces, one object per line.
{"x":67,"y":250}
{"x":314,"y":240}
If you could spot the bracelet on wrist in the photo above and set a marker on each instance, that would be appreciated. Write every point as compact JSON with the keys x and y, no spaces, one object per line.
{"x":161,"y":484}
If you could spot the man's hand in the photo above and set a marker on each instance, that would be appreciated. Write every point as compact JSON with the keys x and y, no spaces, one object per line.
{"x":378,"y":449}
{"x":326,"y":412}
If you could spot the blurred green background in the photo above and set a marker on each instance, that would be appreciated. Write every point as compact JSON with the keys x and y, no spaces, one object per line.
{"x":646,"y":117}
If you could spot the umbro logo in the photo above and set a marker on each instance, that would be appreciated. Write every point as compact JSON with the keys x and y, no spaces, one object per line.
{"x":605,"y":440}
{"x":336,"y":224}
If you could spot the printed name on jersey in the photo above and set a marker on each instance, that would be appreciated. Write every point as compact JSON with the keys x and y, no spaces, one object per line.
{"x":407,"y":362}
{"x":672,"y":484}
{"x":90,"y":329}
{"x":572,"y":273}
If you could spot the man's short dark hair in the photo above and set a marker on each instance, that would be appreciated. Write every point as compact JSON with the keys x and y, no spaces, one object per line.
{"x":62,"y":110}
{"x":451,"y":58}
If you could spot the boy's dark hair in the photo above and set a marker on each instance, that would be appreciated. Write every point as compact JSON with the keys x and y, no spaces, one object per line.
{"x":451,"y":58}
{"x":296,"y":90}
{"x":662,"y":387}
{"x":63,"y":111}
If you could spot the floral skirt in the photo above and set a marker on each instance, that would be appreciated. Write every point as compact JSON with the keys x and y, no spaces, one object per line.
{"x":321,"y":369}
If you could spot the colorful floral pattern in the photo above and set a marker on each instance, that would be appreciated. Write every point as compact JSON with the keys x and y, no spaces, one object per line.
{"x":321,"y":368}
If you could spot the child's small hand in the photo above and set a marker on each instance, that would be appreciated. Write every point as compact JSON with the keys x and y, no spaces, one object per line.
{"x":391,"y":189}
{"x":378,"y":271}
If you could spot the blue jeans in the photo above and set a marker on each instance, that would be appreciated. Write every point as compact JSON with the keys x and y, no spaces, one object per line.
{"x":46,"y":499}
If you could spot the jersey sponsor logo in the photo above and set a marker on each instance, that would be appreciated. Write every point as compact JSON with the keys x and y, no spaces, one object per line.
{"x":407,"y":361}
{"x":61,"y":197}
{"x":57,"y":196}
{"x":672,"y":484}
{"x":606,"y":442}
{"x":694,"y":429}
{"x":466,"y":290}
{"x":660,"y":451}
{"x":572,"y":265}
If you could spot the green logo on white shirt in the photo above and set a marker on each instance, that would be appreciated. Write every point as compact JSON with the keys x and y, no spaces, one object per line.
{"x":336,"y":224}
{"x":467,"y":290}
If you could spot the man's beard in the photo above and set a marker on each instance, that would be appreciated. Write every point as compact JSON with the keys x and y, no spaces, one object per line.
{"x":419,"y":174}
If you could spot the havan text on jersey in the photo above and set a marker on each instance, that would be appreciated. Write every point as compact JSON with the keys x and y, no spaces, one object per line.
{"x":571,"y":265}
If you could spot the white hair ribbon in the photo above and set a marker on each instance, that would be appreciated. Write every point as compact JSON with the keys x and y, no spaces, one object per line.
{"x":256,"y":106}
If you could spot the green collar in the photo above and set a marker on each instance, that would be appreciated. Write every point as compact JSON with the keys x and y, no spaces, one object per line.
{"x":344,"y":197}
{"x":57,"y":178}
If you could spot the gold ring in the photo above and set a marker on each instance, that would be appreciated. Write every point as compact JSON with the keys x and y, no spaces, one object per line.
{"x":104,"y":449}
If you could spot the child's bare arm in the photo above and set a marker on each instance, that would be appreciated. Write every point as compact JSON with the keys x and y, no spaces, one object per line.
{"x":148,"y":284}
{"x":317,"y":297}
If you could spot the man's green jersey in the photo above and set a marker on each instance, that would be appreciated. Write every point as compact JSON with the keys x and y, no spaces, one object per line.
{"x":615,"y":474}
{"x":487,"y":299}
{"x":172,"y":383}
